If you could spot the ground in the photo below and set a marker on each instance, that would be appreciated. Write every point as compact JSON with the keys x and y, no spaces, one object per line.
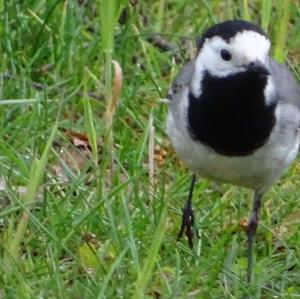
{"x":91,"y":190}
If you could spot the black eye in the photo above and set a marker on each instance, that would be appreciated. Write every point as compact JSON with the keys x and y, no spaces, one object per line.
{"x":225,"y":55}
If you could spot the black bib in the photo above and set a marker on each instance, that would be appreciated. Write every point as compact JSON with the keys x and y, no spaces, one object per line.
{"x":231,"y":115}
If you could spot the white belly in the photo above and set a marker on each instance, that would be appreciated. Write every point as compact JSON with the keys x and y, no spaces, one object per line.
{"x":259,"y":170}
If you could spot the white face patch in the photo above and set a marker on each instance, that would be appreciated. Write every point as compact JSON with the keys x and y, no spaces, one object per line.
{"x":245,"y":47}
{"x":249,"y":46}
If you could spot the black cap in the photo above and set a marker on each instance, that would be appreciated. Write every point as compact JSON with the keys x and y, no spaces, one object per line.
{"x":229,"y":29}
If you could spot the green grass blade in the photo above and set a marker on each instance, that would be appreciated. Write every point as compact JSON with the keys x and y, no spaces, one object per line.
{"x":14,"y":157}
{"x":266,"y":11}
{"x":153,"y":253}
{"x":246,"y":13}
{"x":109,"y":275}
{"x":90,"y":128}
{"x":283,"y":8}
{"x":32,"y":188}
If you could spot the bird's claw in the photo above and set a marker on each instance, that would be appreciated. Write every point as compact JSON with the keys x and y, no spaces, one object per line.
{"x":187,"y":225}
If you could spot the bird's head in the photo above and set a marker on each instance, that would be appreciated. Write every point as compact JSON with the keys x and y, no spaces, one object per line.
{"x":232,"y":47}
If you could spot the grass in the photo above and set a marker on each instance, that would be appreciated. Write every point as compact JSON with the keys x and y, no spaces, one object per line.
{"x":96,"y":216}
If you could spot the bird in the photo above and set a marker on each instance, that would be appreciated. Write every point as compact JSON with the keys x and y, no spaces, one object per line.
{"x":234,"y":116}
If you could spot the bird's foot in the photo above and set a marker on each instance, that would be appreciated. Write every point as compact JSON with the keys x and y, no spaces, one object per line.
{"x":187,"y":225}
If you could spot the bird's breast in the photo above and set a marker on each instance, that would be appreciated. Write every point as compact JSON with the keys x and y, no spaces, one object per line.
{"x":231,"y":115}
{"x":258,"y":170}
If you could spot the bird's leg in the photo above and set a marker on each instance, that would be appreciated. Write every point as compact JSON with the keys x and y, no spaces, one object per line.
{"x":251,"y":231}
{"x":188,"y":216}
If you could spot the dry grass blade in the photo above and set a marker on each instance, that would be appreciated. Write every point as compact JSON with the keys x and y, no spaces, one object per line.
{"x":111,"y":107}
{"x":110,"y":112}
{"x":151,"y":153}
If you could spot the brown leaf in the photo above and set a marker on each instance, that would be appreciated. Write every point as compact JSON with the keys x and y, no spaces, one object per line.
{"x":80,"y":140}
{"x":91,"y":238}
{"x":76,"y":159}
{"x":244,"y":224}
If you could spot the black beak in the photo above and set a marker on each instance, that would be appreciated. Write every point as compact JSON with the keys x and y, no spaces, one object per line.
{"x":257,"y":67}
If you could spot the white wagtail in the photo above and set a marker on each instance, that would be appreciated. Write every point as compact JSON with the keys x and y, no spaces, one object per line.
{"x":234,"y":116}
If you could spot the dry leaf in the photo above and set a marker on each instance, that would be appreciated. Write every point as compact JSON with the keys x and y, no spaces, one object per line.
{"x":161,"y":154}
{"x":80,"y":140}
{"x":244,"y":224}
{"x":76,"y":159}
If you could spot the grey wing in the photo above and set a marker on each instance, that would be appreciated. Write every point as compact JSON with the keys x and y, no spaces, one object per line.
{"x":288,"y":93}
{"x":181,"y":81}
{"x":287,"y":88}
